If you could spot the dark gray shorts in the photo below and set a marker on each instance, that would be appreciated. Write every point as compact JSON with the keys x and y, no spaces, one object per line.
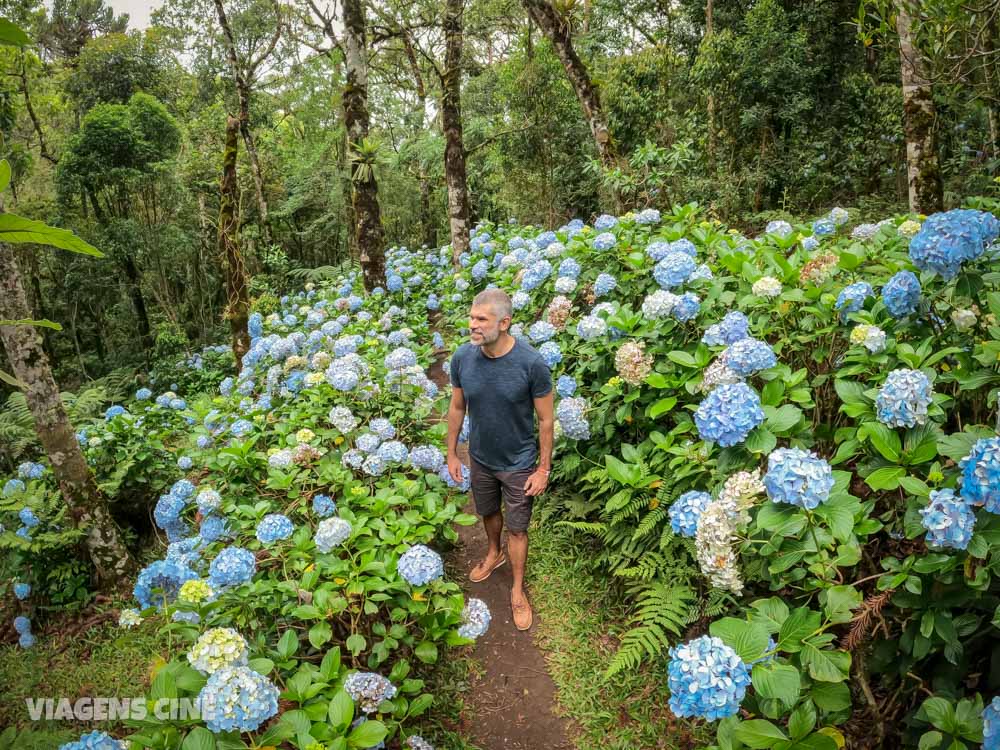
{"x":488,"y":486}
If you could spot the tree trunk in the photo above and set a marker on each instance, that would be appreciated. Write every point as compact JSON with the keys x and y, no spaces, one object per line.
{"x":709,"y":29}
{"x":922,"y":166}
{"x":238,"y":306}
{"x":369,"y":235}
{"x":554,"y":26}
{"x":134,"y":284}
{"x":243,"y":95}
{"x":87,"y":508}
{"x":426,"y":217}
{"x":451,"y":124}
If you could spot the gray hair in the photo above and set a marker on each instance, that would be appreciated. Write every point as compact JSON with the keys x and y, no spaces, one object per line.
{"x":498,"y":299}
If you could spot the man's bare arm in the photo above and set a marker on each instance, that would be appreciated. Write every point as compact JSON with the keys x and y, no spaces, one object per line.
{"x":456,"y":415}
{"x":546,"y":427}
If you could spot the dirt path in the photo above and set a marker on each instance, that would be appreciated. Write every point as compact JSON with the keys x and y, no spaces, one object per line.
{"x":510,"y":704}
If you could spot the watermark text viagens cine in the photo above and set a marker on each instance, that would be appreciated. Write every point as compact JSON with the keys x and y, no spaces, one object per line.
{"x":111,"y":709}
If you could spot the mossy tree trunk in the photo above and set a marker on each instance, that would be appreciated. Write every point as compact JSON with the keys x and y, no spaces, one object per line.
{"x":919,"y":120}
{"x":369,"y":234}
{"x":557,"y":29}
{"x":451,"y":124}
{"x":238,"y":299}
{"x":87,"y":507}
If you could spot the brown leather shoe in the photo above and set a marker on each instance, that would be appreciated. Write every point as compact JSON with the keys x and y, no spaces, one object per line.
{"x":523,"y":616}
{"x":481,"y":572}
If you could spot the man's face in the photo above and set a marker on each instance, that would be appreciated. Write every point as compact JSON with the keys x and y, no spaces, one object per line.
{"x":484,"y":326}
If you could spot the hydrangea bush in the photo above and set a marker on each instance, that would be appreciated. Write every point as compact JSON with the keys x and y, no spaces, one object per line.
{"x":790,"y":438}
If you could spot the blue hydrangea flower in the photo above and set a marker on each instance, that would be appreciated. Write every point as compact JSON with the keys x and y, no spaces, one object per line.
{"x":686,"y":510}
{"x":232,"y":567}
{"x":28,"y":517}
{"x":113,"y":411}
{"x":94,"y":741}
{"x":798,"y":477}
{"x":274,"y":527}
{"x":182,"y":488}
{"x":540,"y":331}
{"x":382,"y":427}
{"x":393,"y":452}
{"x":981,"y":474}
{"x":427,"y":457}
{"x":728,"y":414}
{"x":22,"y":625}
{"x":903,"y":399}
{"x":184,"y":463}
{"x":684,"y":245}
{"x":400,"y":359}
{"x":686,"y":307}
{"x":551,"y":353}
{"x":330,"y":533}
{"x":706,"y":678}
{"x":26,"y":640}
{"x":657,"y":250}
{"x":778,"y":227}
{"x":323,"y":506}
{"x":166,"y":575}
{"x":373,"y":465}
{"x":241,"y":428}
{"x":11,"y":486}
{"x":604,"y":242}
{"x":420,"y":565}
{"x":570,"y":267}
{"x":22,"y":590}
{"x":143,"y":394}
{"x":570,"y":413}
{"x":901,"y":294}
{"x":605,"y":284}
{"x":591,"y":327}
{"x":823,"y":227}
{"x":535,"y":275}
{"x":674,"y":269}
{"x":947,"y":240}
{"x":604,"y":221}
{"x":852,"y":298}
{"x":520,"y":300}
{"x":255,"y":325}
{"x":475,"y":619}
{"x":445,"y":476}
{"x":168,"y":510}
{"x":237,"y":698}
{"x":991,"y":725}
{"x":480,"y":269}
{"x":368,"y":690}
{"x":809,"y":244}
{"x":949,"y":520}
{"x":729,"y":330}
{"x":648,"y":216}
{"x":748,"y":356}
{"x":342,"y":376}
{"x":214,"y":528}
{"x":565,"y":386}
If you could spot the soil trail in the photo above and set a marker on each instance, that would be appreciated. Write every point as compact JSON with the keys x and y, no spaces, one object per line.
{"x":511,"y":703}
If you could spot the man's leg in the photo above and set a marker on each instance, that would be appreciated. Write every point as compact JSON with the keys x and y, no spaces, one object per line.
{"x":486,"y":494}
{"x":518,"y":509}
{"x":494,"y":527}
{"x":517,"y":549}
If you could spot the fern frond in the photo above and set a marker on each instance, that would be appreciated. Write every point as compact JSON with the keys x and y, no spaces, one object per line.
{"x":584,"y":526}
{"x":650,"y":522}
{"x":662,"y":612}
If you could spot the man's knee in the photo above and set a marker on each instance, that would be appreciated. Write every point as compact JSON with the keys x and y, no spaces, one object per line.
{"x":518,"y":533}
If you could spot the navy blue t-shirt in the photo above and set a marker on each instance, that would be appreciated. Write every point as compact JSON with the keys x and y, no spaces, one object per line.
{"x":498,"y":396}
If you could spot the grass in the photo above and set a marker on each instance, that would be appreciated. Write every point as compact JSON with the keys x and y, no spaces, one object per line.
{"x":104,"y":661}
{"x":581,"y":620}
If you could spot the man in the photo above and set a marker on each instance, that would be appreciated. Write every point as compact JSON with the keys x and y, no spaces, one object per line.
{"x":503,"y":382}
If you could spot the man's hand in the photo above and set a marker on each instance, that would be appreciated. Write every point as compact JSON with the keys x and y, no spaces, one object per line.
{"x":455,"y":468}
{"x":536,"y":483}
